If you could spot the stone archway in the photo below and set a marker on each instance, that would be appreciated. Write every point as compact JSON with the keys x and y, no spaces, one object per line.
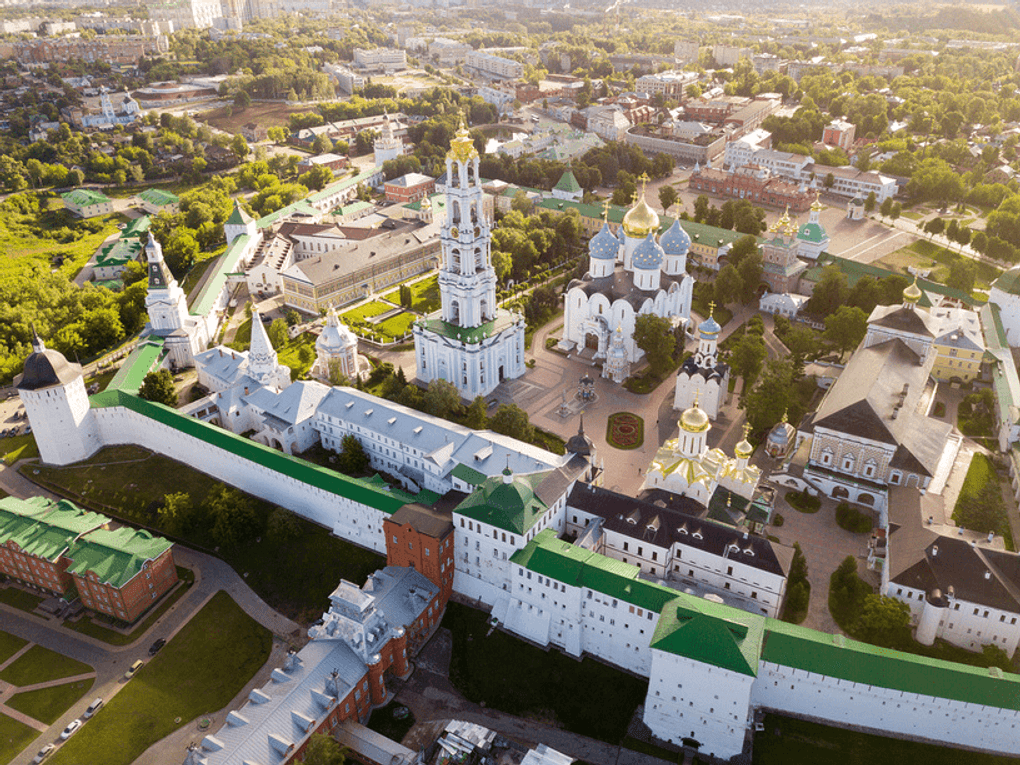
{"x":840,"y":492}
{"x":866,"y":499}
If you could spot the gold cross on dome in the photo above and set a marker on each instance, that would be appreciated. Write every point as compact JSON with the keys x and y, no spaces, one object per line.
{"x":605,"y":210}
{"x":644,"y":181}
{"x":747,"y":430}
{"x":711,"y":309}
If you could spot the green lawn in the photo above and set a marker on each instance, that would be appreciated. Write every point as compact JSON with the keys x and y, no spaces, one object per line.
{"x":22,"y":599}
{"x":424,"y":295}
{"x":10,"y":645}
{"x":201,"y":669}
{"x":14,"y":736}
{"x":298,"y":354}
{"x":295,"y":575}
{"x":16,"y":448}
{"x":92,"y":628}
{"x":194,"y":276}
{"x":366,"y":311}
{"x":397,"y":326}
{"x":40,"y":665}
{"x":787,"y":741}
{"x":47,"y":704}
{"x":979,"y":510}
{"x":586,"y":697}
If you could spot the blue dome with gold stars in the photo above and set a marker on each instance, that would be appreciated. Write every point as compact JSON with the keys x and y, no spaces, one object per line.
{"x":675,"y":241}
{"x":648,"y":255}
{"x":604,"y":245}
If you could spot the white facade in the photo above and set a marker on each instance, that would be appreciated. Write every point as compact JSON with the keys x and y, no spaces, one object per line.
{"x":1005,"y":293}
{"x":167,"y":306}
{"x":387,"y":59}
{"x":471,"y":342}
{"x":494,"y":66}
{"x":702,"y":378}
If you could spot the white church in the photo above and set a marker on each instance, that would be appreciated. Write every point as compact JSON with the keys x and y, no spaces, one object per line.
{"x":470,"y":342}
{"x":630,"y":273}
{"x":703,"y":378}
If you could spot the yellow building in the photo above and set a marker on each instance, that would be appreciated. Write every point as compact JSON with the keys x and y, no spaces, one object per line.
{"x":959,"y":347}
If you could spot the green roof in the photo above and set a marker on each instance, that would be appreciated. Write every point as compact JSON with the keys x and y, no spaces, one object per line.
{"x":471,"y":335}
{"x":509,"y":506}
{"x":438,"y":202}
{"x":567,"y":182}
{"x":384,"y":498}
{"x":115,"y":556}
{"x":85,"y":197}
{"x":216,"y":279}
{"x":854,"y":271}
{"x":44,"y":528}
{"x":844,"y":659}
{"x":356,"y":206}
{"x":343,"y":183}
{"x":118,"y":253}
{"x":159,"y":197}
{"x":136,"y":227}
{"x":812,"y":232}
{"x":238,"y":217}
{"x":467,"y":474}
{"x":301,"y":206}
{"x":711,"y":633}
{"x":143,"y":359}
{"x":1009,"y":282}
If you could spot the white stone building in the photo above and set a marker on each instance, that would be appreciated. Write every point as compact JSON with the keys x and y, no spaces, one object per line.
{"x":470,"y":342}
{"x":1005,"y":293}
{"x":336,"y":350}
{"x":626,"y":279}
{"x":703,"y":378}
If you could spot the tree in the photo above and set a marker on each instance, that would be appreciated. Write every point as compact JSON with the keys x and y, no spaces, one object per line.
{"x":278,"y":333}
{"x":281,"y":525}
{"x":829,"y":294}
{"x":883,"y":621}
{"x":242,"y":100}
{"x":406,"y":297}
{"x":962,"y":275}
{"x":316,"y":178}
{"x":176,"y":513}
{"x":442,"y":398}
{"x":935,"y":226}
{"x":476,"y":416}
{"x":158,"y":386}
{"x":322,"y":144}
{"x":180,"y":251}
{"x":511,"y":420}
{"x":278,"y":134}
{"x":234,"y":519}
{"x":748,"y":355}
{"x":323,"y":750}
{"x":667,"y":196}
{"x":653,"y":334}
{"x":772,"y":395}
{"x":869,"y":203}
{"x":829,"y":181}
{"x":353,"y":460}
{"x":728,"y":285}
{"x":846,"y":328}
{"x":895,"y":211}
{"x":239,"y":146}
{"x":886,"y":207}
{"x":293,"y":318}
{"x":746,"y":245}
{"x":750,"y":270}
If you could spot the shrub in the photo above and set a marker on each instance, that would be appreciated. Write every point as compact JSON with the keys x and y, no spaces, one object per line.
{"x":850,"y":518}
{"x":803,"y":502}
{"x":778,"y":520}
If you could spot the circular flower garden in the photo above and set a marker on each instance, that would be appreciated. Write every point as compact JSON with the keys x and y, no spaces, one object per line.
{"x":625,"y":430}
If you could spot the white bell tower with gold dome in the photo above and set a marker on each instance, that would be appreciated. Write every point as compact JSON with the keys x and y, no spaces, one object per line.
{"x":469,"y":342}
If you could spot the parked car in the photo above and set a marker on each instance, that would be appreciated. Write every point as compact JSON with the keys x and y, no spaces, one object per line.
{"x":93,"y":708}
{"x":154,"y":648}
{"x":134,"y":668}
{"x":45,"y":752}
{"x":70,"y":729}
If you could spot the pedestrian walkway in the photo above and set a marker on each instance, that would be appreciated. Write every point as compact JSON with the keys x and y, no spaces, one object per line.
{"x":9,"y":690}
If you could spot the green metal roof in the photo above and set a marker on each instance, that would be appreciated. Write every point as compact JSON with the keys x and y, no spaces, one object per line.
{"x":384,"y":498}
{"x":118,"y":253}
{"x":836,"y":656}
{"x":812,"y":232}
{"x":238,"y":217}
{"x":854,"y":271}
{"x":301,"y":206}
{"x":85,"y":197}
{"x":225,"y":265}
{"x":355,"y":206}
{"x":344,"y":183}
{"x":1009,"y":282}
{"x":136,"y":227}
{"x":44,"y":528}
{"x":467,"y":474}
{"x":567,"y":182}
{"x":711,"y":633}
{"x":143,"y":359}
{"x":115,"y":556}
{"x":509,"y":506}
{"x":471,"y":335}
{"x":159,"y":197}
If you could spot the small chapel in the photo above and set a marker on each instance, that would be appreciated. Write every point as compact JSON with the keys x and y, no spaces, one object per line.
{"x":703,"y":377}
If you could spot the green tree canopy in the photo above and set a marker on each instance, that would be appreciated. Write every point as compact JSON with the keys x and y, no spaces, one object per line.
{"x":654,"y":335}
{"x":846,"y":328}
{"x":511,"y":420}
{"x":158,"y":386}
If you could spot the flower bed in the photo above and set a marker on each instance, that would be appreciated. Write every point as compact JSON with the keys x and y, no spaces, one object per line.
{"x":625,"y":430}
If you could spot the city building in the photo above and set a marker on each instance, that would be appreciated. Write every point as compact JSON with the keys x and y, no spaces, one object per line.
{"x":754,"y":183}
{"x":670,"y":84}
{"x":63,"y":550}
{"x":187,"y":14}
{"x":155,"y":201}
{"x":112,"y":259}
{"x":493,"y":66}
{"x":839,"y":133}
{"x":336,"y":351}
{"x":470,"y":342}
{"x":780,"y":253}
{"x":627,"y":276}
{"x":409,"y":188}
{"x":381,"y":59}
{"x":729,"y":55}
{"x":329,"y":160}
{"x":87,"y":203}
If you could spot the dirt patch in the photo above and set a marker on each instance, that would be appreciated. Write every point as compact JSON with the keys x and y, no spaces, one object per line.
{"x":267,"y":115}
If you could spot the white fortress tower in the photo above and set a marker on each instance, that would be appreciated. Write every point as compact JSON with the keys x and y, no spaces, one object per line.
{"x":53,"y":392}
{"x":934,"y":610}
{"x":239,"y":223}
{"x":470,"y":342}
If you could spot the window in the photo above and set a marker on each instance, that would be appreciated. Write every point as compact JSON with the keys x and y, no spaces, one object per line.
{"x":826,"y":456}
{"x":848,"y":463}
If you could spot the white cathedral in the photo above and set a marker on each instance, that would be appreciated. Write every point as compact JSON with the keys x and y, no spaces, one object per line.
{"x":703,"y":378}
{"x":629,"y":274}
{"x":469,"y":342}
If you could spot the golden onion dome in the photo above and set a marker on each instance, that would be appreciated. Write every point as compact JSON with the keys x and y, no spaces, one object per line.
{"x":912,"y":294}
{"x":694,"y":420}
{"x":817,"y":205}
{"x":743,"y":449}
{"x":462,"y":148}
{"x":640,"y":220}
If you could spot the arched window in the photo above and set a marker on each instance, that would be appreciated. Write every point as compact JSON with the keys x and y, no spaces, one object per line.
{"x":848,"y":463}
{"x":827,"y":456}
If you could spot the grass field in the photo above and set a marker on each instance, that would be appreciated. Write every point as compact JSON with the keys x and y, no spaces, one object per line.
{"x":10,"y":645}
{"x":267,"y":115}
{"x":22,"y":599}
{"x":397,"y":326}
{"x":47,"y":704}
{"x":40,"y":665}
{"x":787,"y":741}
{"x":295,"y":575}
{"x":201,"y":669}
{"x":925,"y":254}
{"x":298,"y":354}
{"x":14,"y":737}
{"x":424,"y":295}
{"x":87,"y":626}
{"x":18,"y":448}
{"x":366,"y":311}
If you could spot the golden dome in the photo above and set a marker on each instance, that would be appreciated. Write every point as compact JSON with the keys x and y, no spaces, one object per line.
{"x":817,"y":205}
{"x":640,"y":220}
{"x":462,"y":148}
{"x":783,"y":224}
{"x":694,"y":420}
{"x":912,"y":294}
{"x":743,"y":449}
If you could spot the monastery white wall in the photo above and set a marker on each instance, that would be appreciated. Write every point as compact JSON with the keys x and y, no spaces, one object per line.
{"x":614,"y":631}
{"x":842,"y":702}
{"x":64,"y":428}
{"x":692,"y":699}
{"x":348,"y":519}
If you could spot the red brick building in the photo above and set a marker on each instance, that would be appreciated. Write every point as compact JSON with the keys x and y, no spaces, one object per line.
{"x":754,"y":183}
{"x":418,"y":538}
{"x":409,"y":188}
{"x":63,"y":550}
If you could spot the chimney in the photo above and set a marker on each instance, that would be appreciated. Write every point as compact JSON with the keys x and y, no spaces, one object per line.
{"x":934,"y":550}
{"x":988,"y":575}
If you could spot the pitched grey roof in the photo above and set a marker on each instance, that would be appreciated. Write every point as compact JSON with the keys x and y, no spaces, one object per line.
{"x":295,"y":403}
{"x":902,"y":319}
{"x":876,"y":397}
